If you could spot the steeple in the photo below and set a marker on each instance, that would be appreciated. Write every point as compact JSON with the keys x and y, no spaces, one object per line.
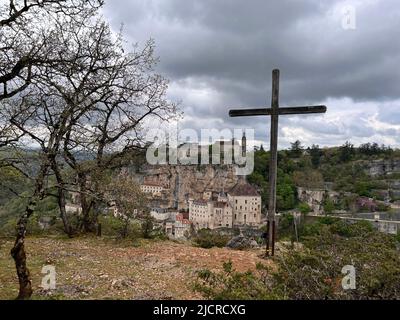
{"x":244,"y":144}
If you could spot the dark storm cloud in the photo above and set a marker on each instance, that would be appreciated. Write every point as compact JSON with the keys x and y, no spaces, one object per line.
{"x":220,"y":54}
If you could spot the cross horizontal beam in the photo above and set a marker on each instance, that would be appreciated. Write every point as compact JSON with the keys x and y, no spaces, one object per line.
{"x":281,"y":111}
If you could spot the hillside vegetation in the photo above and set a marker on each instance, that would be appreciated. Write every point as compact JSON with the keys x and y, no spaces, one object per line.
{"x":343,"y":169}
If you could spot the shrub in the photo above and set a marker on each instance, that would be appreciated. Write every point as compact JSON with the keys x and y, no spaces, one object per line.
{"x":114,"y":227}
{"x":286,"y":226}
{"x":315,"y":271}
{"x":206,"y":238}
{"x":304,"y":208}
{"x":232,"y":285}
{"x":382,"y":207}
{"x":8,"y":229}
{"x":147,"y":227}
{"x":346,"y":229}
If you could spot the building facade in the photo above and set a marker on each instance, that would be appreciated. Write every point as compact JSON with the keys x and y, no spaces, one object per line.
{"x":178,"y":227}
{"x":241,"y":206}
{"x":152,"y":188}
{"x":246,"y":205}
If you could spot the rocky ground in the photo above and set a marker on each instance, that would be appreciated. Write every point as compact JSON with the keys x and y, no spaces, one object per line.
{"x":90,"y":268}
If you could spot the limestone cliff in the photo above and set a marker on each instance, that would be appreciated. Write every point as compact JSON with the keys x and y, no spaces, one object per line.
{"x":382,"y":167}
{"x":184,"y":181}
{"x":314,"y":198}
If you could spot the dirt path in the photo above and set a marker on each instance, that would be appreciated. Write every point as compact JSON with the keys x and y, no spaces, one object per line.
{"x":97,"y":269}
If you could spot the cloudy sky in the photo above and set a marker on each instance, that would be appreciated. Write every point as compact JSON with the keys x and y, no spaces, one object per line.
{"x":219,"y":54}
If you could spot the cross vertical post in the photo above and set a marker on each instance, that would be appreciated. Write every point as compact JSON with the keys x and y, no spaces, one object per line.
{"x":274,"y":112}
{"x":273,"y":164}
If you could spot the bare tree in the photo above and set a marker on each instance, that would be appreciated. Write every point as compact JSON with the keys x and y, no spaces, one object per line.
{"x":114,"y":128}
{"x":9,"y":134}
{"x":33,"y":51}
{"x":96,"y":100}
{"x":25,"y":37}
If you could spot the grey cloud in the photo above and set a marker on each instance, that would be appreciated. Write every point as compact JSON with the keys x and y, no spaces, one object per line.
{"x":229,"y":48}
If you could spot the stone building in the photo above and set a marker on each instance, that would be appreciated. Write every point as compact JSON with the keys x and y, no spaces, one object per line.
{"x":240,"y":206}
{"x":200,"y":213}
{"x":178,"y":227}
{"x":246,"y":204}
{"x":152,"y":188}
{"x":181,"y":226}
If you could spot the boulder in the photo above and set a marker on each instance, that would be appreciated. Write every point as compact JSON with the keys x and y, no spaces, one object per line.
{"x":241,"y":243}
{"x":254,"y":244}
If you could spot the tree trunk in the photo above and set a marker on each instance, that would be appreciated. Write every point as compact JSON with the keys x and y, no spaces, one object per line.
{"x":19,"y":255}
{"x":85,"y":205}
{"x":99,"y":229}
{"x":61,"y":204}
{"x":125,"y":228}
{"x":18,"y":251}
{"x":96,"y":212}
{"x":61,"y":200}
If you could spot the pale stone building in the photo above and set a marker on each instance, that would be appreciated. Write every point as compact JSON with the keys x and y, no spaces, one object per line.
{"x":240,"y":206}
{"x":200,"y":214}
{"x":152,"y":188}
{"x":223,"y":215}
{"x":182,"y":226}
{"x":178,"y":227}
{"x":246,"y":204}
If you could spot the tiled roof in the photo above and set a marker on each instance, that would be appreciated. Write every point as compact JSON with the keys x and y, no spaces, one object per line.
{"x":243,"y":189}
{"x":200,"y":202}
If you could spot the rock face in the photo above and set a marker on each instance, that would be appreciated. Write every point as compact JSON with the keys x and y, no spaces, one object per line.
{"x":382,"y":167}
{"x":187,"y":181}
{"x":314,"y":198}
{"x":242,"y":243}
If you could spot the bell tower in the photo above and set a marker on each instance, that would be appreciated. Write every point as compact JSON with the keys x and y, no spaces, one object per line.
{"x":244,"y":144}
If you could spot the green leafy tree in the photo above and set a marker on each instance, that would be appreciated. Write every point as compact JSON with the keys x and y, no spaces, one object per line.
{"x":346,"y":152}
{"x":296,"y":149}
{"x":304,"y":208}
{"x":315,"y":153}
{"x":329,"y":206}
{"x":147,"y":226}
{"x":286,"y":191}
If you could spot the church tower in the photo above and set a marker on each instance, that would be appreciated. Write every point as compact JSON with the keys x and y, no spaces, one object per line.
{"x":244,"y":144}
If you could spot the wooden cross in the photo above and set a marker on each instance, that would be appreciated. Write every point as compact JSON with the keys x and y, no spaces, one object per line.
{"x":274,"y":112}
